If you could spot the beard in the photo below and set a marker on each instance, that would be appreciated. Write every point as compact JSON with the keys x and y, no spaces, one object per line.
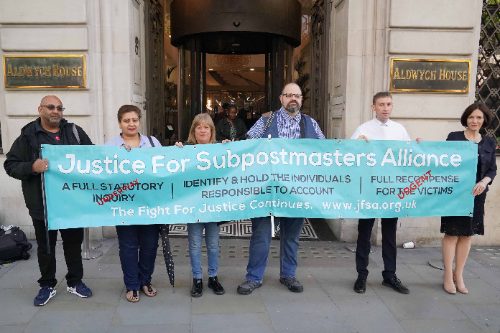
{"x":293,"y":109}
{"x":54,"y":121}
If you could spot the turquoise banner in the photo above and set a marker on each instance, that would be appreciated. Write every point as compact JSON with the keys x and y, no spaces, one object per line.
{"x":91,"y":186}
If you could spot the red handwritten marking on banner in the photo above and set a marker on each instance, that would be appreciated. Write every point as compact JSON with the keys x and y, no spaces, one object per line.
{"x":414,"y":185}
{"x":116,"y":193}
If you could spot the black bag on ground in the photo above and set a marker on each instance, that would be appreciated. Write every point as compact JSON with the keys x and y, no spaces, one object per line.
{"x":13,"y":246}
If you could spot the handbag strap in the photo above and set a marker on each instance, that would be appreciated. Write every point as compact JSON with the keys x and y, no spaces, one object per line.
{"x":151,"y":141}
{"x":269,"y":121}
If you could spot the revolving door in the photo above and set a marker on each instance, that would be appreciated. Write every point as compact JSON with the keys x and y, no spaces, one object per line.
{"x":248,"y":46}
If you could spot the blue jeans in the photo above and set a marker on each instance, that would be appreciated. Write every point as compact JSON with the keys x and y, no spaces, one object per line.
{"x":290,"y":229}
{"x":138,"y":246}
{"x":195,"y":237}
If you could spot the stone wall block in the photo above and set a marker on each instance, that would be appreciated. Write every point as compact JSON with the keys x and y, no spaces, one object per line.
{"x":58,"y":39}
{"x":40,"y":12}
{"x":25,"y":103}
{"x":432,"y":14}
{"x":431,"y":42}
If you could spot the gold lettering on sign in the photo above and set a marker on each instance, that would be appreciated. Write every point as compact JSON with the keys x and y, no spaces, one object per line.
{"x":435,"y":75}
{"x":442,"y":74}
{"x":40,"y":71}
{"x":396,"y":74}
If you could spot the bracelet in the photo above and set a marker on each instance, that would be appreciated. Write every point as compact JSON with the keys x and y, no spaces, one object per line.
{"x":482,"y":181}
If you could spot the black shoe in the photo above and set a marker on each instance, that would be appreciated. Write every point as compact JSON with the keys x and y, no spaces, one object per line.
{"x":360,"y":285}
{"x":213,"y":283}
{"x":197,"y":289}
{"x":247,"y":287}
{"x":396,"y":284}
{"x":292,"y":284}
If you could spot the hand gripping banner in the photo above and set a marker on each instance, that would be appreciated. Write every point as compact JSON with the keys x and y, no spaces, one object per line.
{"x":91,"y":186}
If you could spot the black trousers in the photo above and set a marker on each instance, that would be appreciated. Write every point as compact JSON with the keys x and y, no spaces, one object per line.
{"x":389,"y":250}
{"x":72,"y":246}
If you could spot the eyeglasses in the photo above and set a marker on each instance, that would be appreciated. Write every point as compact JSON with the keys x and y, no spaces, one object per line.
{"x":297,"y":96}
{"x":51,"y":107}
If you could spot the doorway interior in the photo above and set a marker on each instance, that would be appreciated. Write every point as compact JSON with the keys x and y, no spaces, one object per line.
{"x":204,"y":72}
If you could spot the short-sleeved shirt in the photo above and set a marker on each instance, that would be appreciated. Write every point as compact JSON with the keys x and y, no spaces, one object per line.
{"x":288,"y":127}
{"x":377,"y":130}
{"x":118,"y":141}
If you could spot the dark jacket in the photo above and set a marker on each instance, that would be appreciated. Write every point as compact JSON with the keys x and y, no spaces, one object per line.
{"x":220,"y":116}
{"x":486,"y":150}
{"x":223,"y":129}
{"x":26,"y":149}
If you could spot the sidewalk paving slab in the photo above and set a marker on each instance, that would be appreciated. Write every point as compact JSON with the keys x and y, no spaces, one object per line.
{"x":328,"y":303}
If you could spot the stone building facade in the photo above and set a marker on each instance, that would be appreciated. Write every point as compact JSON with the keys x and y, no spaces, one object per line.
{"x":363,"y":37}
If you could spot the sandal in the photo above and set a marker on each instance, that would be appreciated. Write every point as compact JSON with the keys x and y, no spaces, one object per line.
{"x":134,"y":297}
{"x":151,"y":292}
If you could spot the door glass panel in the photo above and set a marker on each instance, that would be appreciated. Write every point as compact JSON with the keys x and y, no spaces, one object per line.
{"x":239,"y":80}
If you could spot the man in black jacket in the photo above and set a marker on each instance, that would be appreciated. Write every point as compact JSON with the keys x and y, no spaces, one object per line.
{"x":23,"y":163}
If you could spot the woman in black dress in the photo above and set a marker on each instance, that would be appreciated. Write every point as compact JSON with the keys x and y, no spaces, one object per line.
{"x":231,"y":128}
{"x":459,"y":229}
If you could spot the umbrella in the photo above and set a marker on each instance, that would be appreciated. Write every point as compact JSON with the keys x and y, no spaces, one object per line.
{"x":167,"y":253}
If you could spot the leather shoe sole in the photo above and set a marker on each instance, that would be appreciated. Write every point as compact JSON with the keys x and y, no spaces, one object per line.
{"x":360,"y":286}
{"x":359,"y":291}
{"x":244,"y":291}
{"x":217,"y":292}
{"x":293,"y":289}
{"x":406,"y":292}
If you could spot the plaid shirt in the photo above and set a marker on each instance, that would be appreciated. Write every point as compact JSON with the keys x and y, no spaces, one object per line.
{"x":288,"y":127}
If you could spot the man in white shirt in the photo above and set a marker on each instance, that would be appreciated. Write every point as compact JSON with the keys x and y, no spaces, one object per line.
{"x":379,"y":128}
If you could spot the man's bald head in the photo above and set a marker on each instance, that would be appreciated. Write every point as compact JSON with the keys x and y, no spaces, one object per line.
{"x":291,"y":86}
{"x":50,"y":111}
{"x":50,"y":99}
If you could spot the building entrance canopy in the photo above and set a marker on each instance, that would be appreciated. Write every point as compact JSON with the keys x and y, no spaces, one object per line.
{"x":236,"y":26}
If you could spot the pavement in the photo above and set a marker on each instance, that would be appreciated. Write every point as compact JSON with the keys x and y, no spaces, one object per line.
{"x":328,"y":303}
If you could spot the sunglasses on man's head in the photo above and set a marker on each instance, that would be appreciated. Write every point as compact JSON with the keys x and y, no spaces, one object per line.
{"x":52,"y":107}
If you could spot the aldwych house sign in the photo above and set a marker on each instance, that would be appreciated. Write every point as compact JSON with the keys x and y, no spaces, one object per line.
{"x":430,"y":75}
{"x":44,"y":71}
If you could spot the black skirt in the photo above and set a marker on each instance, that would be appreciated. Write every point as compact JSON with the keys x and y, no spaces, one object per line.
{"x":466,"y":225}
